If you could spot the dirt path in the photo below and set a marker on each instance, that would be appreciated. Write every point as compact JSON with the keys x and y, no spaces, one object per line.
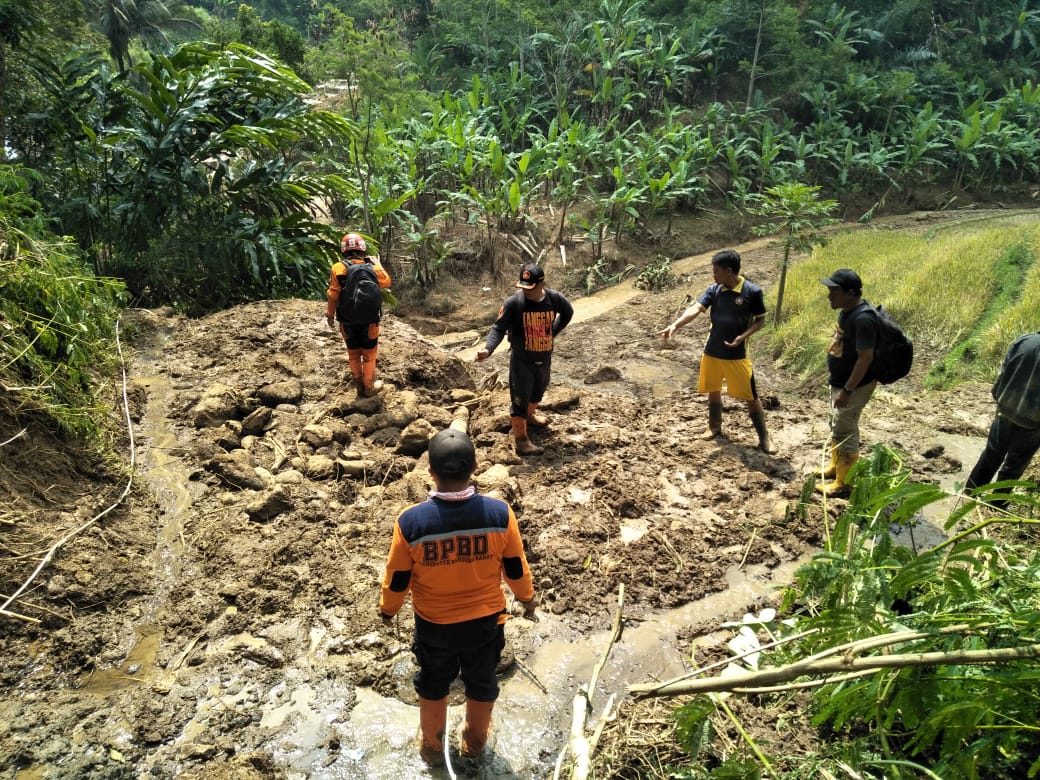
{"x":222,"y":622}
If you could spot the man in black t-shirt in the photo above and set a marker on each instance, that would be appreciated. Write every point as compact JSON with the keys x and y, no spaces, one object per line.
{"x":531,"y":318}
{"x":737,"y":309}
{"x":850,"y":359}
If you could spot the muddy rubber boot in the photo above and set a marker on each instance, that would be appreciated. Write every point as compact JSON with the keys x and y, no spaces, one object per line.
{"x":534,"y":419}
{"x":524,"y":445}
{"x":714,"y":420}
{"x":370,"y":385}
{"x":433,"y":719}
{"x":477,"y":727}
{"x":839,"y":488}
{"x":831,"y":470}
{"x":375,"y":389}
{"x":758,"y":419}
{"x":354,"y":359}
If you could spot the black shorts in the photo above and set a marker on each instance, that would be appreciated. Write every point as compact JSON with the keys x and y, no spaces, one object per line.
{"x":527,"y":383}
{"x":443,"y":651}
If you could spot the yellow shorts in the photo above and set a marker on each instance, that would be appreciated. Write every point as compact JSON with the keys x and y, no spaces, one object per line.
{"x":737,"y":374}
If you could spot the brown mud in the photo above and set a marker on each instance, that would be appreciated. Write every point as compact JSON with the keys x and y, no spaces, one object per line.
{"x":220,"y":621}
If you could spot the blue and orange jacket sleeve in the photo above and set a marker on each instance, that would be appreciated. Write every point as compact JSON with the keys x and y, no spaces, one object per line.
{"x":452,"y":557}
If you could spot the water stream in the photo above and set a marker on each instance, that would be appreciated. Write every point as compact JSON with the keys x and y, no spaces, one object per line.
{"x":316,"y":738}
{"x":167,"y":478}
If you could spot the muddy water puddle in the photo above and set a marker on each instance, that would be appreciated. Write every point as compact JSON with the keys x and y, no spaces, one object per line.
{"x":928,"y":531}
{"x":314,"y":735}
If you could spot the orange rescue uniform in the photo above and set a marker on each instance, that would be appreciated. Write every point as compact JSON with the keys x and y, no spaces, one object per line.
{"x":452,"y":556}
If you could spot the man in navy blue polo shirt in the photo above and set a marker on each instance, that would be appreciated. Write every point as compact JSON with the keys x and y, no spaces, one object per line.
{"x":737,"y":309}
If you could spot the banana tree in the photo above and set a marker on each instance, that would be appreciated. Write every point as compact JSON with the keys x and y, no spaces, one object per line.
{"x":796,"y":210}
{"x":208,"y":192}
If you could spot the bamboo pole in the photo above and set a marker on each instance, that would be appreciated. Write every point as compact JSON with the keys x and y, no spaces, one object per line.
{"x":740,"y":683}
{"x":847,"y":650}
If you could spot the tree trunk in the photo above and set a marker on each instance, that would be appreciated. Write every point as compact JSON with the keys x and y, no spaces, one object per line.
{"x":754,"y":59}
{"x":780,"y":287}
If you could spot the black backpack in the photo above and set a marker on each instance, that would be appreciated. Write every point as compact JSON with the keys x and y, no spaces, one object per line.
{"x":894,"y":353}
{"x":360,"y":299}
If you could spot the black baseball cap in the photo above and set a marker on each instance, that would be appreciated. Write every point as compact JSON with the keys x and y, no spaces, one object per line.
{"x":530,"y":275}
{"x":845,"y":278}
{"x":452,"y":455}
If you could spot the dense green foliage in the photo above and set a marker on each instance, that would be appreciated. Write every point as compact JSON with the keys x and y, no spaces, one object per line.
{"x":56,"y":321}
{"x":958,"y":716}
{"x":618,"y":113}
{"x":196,"y":186}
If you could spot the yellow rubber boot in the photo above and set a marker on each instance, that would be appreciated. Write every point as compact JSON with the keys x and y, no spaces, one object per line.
{"x":831,"y":470}
{"x":524,"y":445}
{"x":477,"y":727}
{"x":839,"y":488}
{"x":433,"y":720}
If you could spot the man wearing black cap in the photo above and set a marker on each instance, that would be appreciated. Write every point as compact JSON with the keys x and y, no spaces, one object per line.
{"x":451,"y":551}
{"x":850,"y":359}
{"x":532,"y":317}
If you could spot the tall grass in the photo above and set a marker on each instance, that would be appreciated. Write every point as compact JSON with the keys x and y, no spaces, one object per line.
{"x":1023,"y":316}
{"x":56,"y":327}
{"x":978,"y":282}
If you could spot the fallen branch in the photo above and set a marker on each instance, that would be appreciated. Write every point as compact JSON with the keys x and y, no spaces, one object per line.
{"x":740,"y":682}
{"x":522,"y":246}
{"x":847,"y":649}
{"x":751,"y":541}
{"x":727,"y":661}
{"x":605,"y":717}
{"x":20,"y":433}
{"x":579,"y":745}
{"x":280,"y":454}
{"x":668,"y":546}
{"x":39,"y":607}
{"x":18,"y":616}
{"x":182,"y":656}
{"x":530,"y":675}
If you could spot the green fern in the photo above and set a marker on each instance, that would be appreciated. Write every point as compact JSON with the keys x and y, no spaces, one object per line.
{"x":973,"y":592}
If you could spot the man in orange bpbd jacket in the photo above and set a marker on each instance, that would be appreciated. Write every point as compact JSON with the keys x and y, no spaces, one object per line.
{"x":452,"y":552}
{"x":358,"y":323}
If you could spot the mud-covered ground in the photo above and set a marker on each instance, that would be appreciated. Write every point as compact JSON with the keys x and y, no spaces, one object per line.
{"x":219,"y":619}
